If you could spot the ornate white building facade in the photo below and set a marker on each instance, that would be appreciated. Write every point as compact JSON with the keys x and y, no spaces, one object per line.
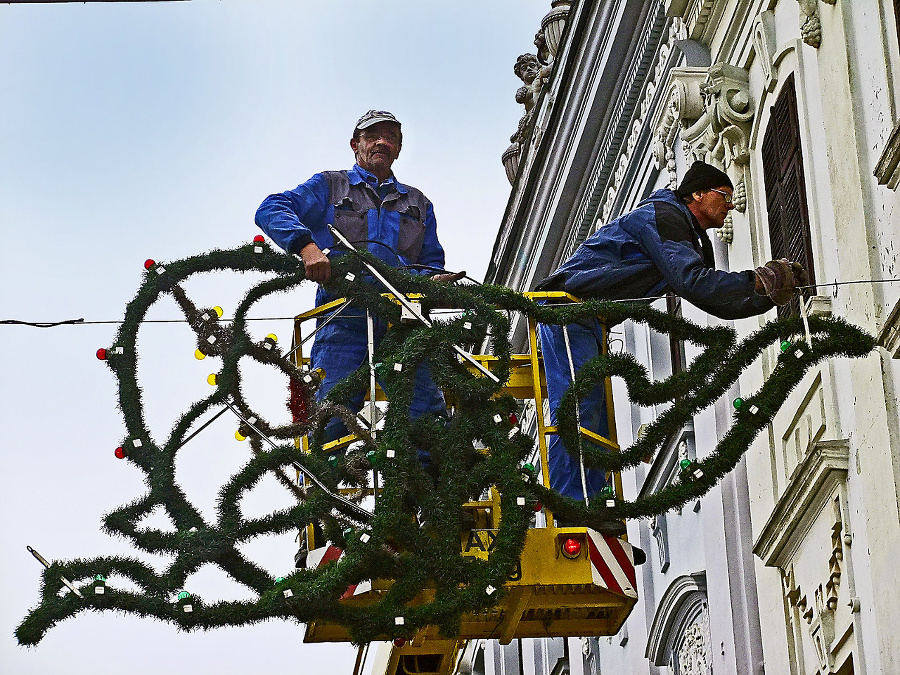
{"x":790,"y":565}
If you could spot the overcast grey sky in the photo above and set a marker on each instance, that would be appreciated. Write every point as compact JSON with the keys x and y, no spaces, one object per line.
{"x":153,"y":130}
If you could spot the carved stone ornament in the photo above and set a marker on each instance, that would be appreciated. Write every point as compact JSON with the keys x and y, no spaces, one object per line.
{"x":819,"y":614}
{"x":765,"y":45}
{"x":810,"y":26}
{"x":726,"y":232}
{"x":510,"y":160}
{"x":711,"y":109}
{"x":553,"y":24}
{"x":527,"y":68}
{"x":683,"y":106}
{"x":694,"y":652}
{"x":721,"y":134}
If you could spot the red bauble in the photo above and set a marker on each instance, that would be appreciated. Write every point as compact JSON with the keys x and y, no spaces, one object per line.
{"x":399,"y":642}
{"x":120,"y":453}
{"x":571,"y":548}
{"x":101,"y":354}
{"x":258,"y":239}
{"x":513,"y":419}
{"x":537,"y":506}
{"x":148,"y":263}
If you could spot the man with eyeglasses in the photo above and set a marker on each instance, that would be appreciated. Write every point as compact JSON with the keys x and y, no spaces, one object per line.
{"x":659,"y":247}
{"x":373,"y":210}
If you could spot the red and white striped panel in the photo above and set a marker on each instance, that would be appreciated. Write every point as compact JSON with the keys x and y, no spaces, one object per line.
{"x":612,"y":563}
{"x":323,"y":555}
{"x":329,"y":553}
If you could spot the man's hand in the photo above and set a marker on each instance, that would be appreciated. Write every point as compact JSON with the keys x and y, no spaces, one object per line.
{"x":316,"y":263}
{"x":779,"y":280}
{"x":448,"y":277}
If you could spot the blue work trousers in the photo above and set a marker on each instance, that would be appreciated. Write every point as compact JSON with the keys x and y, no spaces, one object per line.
{"x":586,"y":339}
{"x":341,"y":347}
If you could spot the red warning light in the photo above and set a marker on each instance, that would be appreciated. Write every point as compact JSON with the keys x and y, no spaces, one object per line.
{"x":571,"y":548}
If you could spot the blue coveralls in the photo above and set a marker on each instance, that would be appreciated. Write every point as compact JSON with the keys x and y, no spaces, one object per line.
{"x":397,"y":224}
{"x":656,"y":248}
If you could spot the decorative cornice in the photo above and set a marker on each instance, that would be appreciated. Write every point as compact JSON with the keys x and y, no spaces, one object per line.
{"x":823,"y":469}
{"x":643,"y":90}
{"x":697,"y":15}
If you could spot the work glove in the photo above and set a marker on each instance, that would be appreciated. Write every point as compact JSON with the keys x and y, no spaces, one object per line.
{"x":780,"y":279}
{"x":449,"y":277}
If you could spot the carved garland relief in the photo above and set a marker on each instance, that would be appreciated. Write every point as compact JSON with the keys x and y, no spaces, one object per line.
{"x":694,"y":650}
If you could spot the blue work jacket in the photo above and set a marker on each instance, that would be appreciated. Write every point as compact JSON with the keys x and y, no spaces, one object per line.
{"x":656,"y":248}
{"x":395,"y":221}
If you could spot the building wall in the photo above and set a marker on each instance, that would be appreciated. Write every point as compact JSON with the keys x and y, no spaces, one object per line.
{"x":788,"y":566}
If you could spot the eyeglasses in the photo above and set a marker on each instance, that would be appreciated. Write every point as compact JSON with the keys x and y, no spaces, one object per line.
{"x":728,"y":198}
{"x":389,"y":136}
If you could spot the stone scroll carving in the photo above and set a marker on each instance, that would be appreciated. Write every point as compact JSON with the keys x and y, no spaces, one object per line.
{"x":711,"y":109}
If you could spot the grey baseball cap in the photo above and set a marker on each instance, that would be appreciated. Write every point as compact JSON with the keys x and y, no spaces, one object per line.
{"x":374,"y":117}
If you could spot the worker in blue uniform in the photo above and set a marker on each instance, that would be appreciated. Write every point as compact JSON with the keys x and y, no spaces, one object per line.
{"x":372,"y":209}
{"x":659,"y":247}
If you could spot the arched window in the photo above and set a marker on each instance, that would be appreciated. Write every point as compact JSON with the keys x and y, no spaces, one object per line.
{"x":782,"y":160}
{"x":679,"y":637}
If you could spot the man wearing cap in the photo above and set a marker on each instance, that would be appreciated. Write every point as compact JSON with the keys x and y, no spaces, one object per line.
{"x":372,"y":209}
{"x":659,"y":247}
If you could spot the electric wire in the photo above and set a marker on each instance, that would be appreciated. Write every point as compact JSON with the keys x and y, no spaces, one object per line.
{"x":83,"y":322}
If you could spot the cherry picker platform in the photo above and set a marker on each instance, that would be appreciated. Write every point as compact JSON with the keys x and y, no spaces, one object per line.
{"x":571,"y":581}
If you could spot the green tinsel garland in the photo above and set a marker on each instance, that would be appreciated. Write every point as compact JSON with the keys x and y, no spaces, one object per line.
{"x":414,"y":558}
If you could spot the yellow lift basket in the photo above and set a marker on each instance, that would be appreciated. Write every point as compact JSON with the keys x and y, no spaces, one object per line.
{"x":572,"y":581}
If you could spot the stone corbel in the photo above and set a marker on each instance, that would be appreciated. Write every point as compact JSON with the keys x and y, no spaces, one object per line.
{"x":683,"y":106}
{"x":712,"y":110}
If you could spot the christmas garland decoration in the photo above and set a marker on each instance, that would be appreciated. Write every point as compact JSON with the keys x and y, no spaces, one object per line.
{"x":415,"y":552}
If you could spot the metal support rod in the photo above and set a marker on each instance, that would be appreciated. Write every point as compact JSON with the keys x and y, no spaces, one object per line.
{"x":44,"y":562}
{"x":370,"y":330}
{"x":202,"y":427}
{"x":358,"y":511}
{"x":577,"y":417}
{"x":370,"y":334}
{"x":319,"y":327}
{"x":402,"y":299}
{"x":805,"y":318}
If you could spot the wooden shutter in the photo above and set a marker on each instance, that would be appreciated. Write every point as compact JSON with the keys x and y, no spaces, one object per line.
{"x":782,"y":158}
{"x":897,"y":19}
